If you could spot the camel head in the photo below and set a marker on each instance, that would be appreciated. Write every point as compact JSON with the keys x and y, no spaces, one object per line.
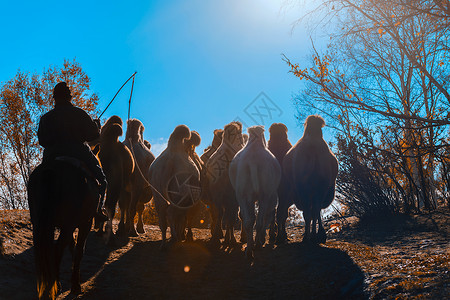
{"x":245,"y":138}
{"x":278,"y":131}
{"x":192,"y":142}
{"x":179,"y":134}
{"x":313,"y":126}
{"x":135,"y":130}
{"x":217,"y":140}
{"x":112,"y":129}
{"x":256,"y":135}
{"x":232,"y":135}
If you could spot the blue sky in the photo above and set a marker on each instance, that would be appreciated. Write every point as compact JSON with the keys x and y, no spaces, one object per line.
{"x":199,"y":63}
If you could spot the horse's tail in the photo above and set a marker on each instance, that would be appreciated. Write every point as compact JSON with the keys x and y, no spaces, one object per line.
{"x":43,"y":239}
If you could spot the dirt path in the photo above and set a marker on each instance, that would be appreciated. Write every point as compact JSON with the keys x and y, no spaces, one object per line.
{"x":408,"y":258}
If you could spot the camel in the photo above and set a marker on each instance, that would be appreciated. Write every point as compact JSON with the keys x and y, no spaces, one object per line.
{"x":176,"y":183}
{"x":223,"y":199}
{"x":311,"y":169}
{"x":189,"y":146}
{"x":255,"y":175}
{"x":279,"y":145}
{"x":118,"y":165}
{"x":141,"y":192}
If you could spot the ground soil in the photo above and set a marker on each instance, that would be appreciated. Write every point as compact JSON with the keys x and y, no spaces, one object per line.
{"x":397,"y":258}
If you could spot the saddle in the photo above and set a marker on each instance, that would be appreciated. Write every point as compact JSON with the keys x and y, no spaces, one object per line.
{"x":80,"y":165}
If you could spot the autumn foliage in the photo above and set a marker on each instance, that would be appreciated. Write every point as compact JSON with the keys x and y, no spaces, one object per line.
{"x":23,"y":100}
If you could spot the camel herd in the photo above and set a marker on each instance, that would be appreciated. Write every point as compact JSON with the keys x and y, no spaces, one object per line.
{"x":237,"y":176}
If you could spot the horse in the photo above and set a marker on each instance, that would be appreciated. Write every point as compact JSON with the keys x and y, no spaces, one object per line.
{"x":255,"y":175}
{"x":62,"y":194}
{"x":311,"y":169}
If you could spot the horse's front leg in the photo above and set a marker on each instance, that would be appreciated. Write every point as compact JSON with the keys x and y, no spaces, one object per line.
{"x":78,"y":255}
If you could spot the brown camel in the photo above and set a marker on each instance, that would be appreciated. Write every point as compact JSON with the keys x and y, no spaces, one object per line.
{"x":311,"y":169}
{"x":279,"y":145}
{"x":141,"y":192}
{"x":118,"y":165}
{"x":190,"y":145}
{"x":176,"y":183}
{"x":223,"y":199}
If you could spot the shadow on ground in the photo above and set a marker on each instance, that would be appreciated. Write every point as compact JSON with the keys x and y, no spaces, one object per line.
{"x":17,"y":272}
{"x":199,"y":271}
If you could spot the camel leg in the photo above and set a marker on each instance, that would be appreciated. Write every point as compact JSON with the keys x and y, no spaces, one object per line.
{"x":188,"y":236}
{"x":230,"y":218}
{"x":260,"y":238}
{"x":248,"y":216}
{"x":272,"y":229}
{"x":307,"y":218}
{"x":124,"y":199}
{"x":281,"y":215}
{"x":162,"y":220}
{"x":243,"y":239}
{"x":78,"y":254}
{"x":216,"y":228}
{"x":131,"y":215}
{"x":124,"y":204}
{"x":121,"y":227}
{"x":140,"y":223}
{"x":321,"y":235}
{"x":266,"y":215}
{"x":110,"y":210}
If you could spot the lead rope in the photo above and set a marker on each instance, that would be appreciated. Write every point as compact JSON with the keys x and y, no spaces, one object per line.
{"x":168,"y":202}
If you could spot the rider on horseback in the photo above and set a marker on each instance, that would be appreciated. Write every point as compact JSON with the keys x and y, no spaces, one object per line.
{"x":64,"y":131}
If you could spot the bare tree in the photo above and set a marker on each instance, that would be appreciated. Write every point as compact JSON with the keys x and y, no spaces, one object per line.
{"x":382,"y":86}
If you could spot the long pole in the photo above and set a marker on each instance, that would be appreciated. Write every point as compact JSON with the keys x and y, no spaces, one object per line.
{"x":132,"y":76}
{"x":129,"y":101}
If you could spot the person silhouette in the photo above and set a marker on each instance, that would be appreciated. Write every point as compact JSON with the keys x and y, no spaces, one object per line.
{"x":64,"y":131}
